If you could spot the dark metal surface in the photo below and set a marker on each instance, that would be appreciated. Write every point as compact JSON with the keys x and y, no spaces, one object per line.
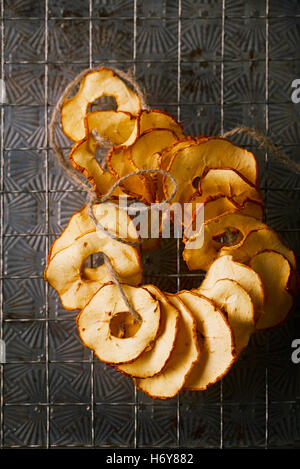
{"x":214,"y":64}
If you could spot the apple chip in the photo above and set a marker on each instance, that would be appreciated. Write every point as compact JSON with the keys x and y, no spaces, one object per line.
{"x":96,"y":84}
{"x":191,"y":162}
{"x":217,"y":348}
{"x":112,"y":218}
{"x":146,"y":151}
{"x":116,"y":127}
{"x":97,"y":329}
{"x":65,"y":270}
{"x":276,"y":274}
{"x":119,"y":165}
{"x":184,"y":355}
{"x":257,"y":241}
{"x":201,"y":250}
{"x":214,"y":207}
{"x":229,"y":182}
{"x":153,"y":361}
{"x":157,"y":119}
{"x":228,"y":295}
{"x":226,"y":268}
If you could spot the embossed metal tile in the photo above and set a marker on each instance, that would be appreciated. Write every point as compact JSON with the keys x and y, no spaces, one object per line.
{"x":213,"y":64}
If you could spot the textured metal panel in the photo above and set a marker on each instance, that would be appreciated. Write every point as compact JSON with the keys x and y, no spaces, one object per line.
{"x":214,"y":64}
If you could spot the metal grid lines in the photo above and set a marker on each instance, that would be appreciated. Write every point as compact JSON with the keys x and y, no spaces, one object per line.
{"x":213,"y":64}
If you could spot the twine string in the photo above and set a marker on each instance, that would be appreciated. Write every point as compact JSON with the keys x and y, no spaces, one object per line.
{"x":116,"y":281}
{"x":266,"y":143}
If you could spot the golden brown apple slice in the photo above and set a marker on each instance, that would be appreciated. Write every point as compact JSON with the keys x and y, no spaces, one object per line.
{"x":84,"y":160}
{"x":256,"y":241}
{"x":276,"y":274}
{"x":113,"y":126}
{"x":190,"y":163}
{"x":153,"y":361}
{"x":112,"y":218}
{"x":214,"y":207}
{"x":157,"y":119}
{"x":119,"y":165}
{"x":200,"y":251}
{"x":228,"y":295}
{"x":184,"y":355}
{"x":217,"y":348}
{"x":226,"y":268}
{"x":97,"y":83}
{"x":145,"y":152}
{"x":65,"y":270}
{"x":95,"y":323}
{"x":229,"y":182}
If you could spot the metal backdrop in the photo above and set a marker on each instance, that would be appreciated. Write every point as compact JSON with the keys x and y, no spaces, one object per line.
{"x":213,"y":64}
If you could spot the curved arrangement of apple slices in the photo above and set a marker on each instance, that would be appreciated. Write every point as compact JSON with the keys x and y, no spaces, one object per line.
{"x":191,"y":339}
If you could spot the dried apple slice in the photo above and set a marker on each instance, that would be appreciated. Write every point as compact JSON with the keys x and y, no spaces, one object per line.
{"x":157,"y":119}
{"x":228,"y":295}
{"x":114,"y":126}
{"x":229,"y":182}
{"x":276,"y":274}
{"x":146,"y":151}
{"x":98,"y":83}
{"x":226,"y":268}
{"x":65,"y":271}
{"x":214,"y":207}
{"x":84,"y":160}
{"x":184,"y":355}
{"x":112,"y":218}
{"x":217,"y":348}
{"x":191,"y":162}
{"x":256,"y":241}
{"x":201,"y":250}
{"x":119,"y":165}
{"x":153,"y":361}
{"x":95,"y":323}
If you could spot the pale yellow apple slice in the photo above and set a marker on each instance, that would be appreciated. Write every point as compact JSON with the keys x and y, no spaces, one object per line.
{"x":226,"y":268}
{"x":112,"y":218}
{"x":184,"y":355}
{"x":276,"y":274}
{"x":96,"y":84}
{"x":95,"y":323}
{"x":153,"y":361}
{"x":217,"y":348}
{"x":65,"y":270}
{"x":256,"y":241}
{"x":200,"y":251}
{"x":228,"y":295}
